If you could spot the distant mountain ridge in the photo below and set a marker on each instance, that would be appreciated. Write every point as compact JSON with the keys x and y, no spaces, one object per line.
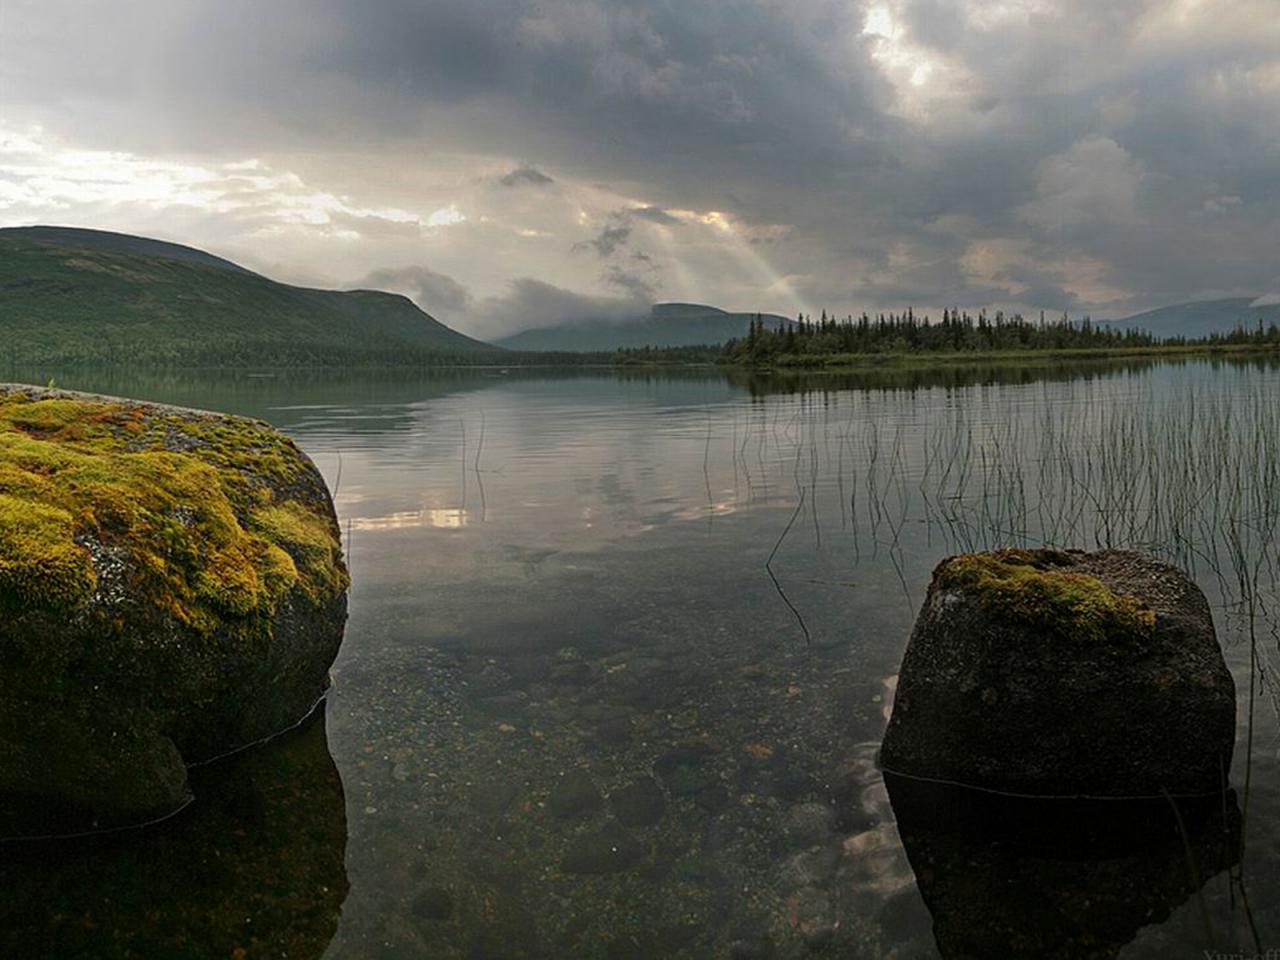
{"x":69,"y":295}
{"x":668,"y":325}
{"x":1199,"y":318}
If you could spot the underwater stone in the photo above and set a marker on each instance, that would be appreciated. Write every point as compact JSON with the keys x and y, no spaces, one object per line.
{"x":807,"y":823}
{"x":1063,"y":673}
{"x":258,"y":860}
{"x":1056,"y":879}
{"x":434,"y":904}
{"x":639,"y":804}
{"x":611,"y":849}
{"x":575,"y":795}
{"x":172,"y":588}
{"x":687,"y":770}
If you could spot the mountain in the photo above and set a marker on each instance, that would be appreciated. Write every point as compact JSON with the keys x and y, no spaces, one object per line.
{"x":72,"y":296}
{"x":1201,"y":318}
{"x":668,"y":325}
{"x":108,"y":242}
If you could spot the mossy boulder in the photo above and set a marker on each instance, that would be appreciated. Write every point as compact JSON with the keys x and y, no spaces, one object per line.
{"x":1063,"y":673}
{"x":171,"y":588}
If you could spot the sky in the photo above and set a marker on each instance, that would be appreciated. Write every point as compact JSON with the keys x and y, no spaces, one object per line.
{"x":511,"y":164}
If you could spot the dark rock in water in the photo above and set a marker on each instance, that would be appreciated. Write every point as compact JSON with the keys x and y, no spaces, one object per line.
{"x":780,"y":774}
{"x":719,"y":834}
{"x":492,"y":797}
{"x":1064,"y":673}
{"x":667,"y":941}
{"x":814,"y":916}
{"x":508,"y":705}
{"x":1053,"y":878}
{"x":814,"y":867}
{"x":506,"y":930}
{"x":608,"y":850}
{"x":687,"y":770}
{"x":575,"y":795}
{"x":433,"y":905}
{"x":639,"y":804}
{"x":171,"y":589}
{"x":712,"y":799}
{"x":903,"y":918}
{"x":256,"y":862}
{"x":749,"y":939}
{"x":614,"y":731}
{"x":573,"y":674}
{"x":844,"y":791}
{"x":757,"y":948}
{"x":807,"y":824}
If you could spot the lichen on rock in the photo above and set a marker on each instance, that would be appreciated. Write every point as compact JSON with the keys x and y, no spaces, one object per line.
{"x":179,"y":572}
{"x":1038,"y":588}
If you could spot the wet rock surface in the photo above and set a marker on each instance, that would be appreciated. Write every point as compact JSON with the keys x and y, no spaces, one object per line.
{"x":1064,"y":673}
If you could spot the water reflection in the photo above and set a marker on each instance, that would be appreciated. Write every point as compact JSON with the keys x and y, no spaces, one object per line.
{"x":904,"y":377}
{"x":253,"y":868}
{"x":1019,"y":877}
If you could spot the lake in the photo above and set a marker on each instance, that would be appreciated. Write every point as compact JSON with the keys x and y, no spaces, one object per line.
{"x":621,"y":650}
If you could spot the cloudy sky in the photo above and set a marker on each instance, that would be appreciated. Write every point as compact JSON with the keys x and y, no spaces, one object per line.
{"x":509,"y":162}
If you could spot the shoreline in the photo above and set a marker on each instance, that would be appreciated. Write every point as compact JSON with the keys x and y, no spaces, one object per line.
{"x":820,"y":363}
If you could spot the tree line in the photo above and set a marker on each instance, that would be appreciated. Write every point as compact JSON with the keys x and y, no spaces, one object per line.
{"x":818,"y":341}
{"x":906,"y":332}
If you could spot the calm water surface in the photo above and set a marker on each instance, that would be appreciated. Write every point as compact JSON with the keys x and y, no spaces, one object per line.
{"x":620,"y":654}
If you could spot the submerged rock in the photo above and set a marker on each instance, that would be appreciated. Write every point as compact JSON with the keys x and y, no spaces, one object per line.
{"x":807,"y":823}
{"x":171,"y":589}
{"x":575,"y":795}
{"x":1064,"y":673}
{"x":255,"y":867}
{"x":639,"y":804}
{"x":611,"y":849}
{"x":687,"y":769}
{"x":1059,"y":879}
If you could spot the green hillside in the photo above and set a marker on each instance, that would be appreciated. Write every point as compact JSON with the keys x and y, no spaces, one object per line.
{"x":668,"y":325}
{"x":71,"y":296}
{"x":109,"y":242}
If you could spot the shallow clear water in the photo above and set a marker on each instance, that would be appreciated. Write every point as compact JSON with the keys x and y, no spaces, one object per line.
{"x":575,"y":715}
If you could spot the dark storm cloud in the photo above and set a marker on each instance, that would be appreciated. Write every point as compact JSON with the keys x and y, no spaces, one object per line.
{"x":611,"y":236}
{"x":522,"y":176}
{"x":1128,"y":150}
{"x":610,"y":87}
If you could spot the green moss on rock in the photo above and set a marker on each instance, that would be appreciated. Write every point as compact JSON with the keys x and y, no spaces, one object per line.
{"x":202,"y":506}
{"x":1029,"y":587}
{"x":40,"y":564}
